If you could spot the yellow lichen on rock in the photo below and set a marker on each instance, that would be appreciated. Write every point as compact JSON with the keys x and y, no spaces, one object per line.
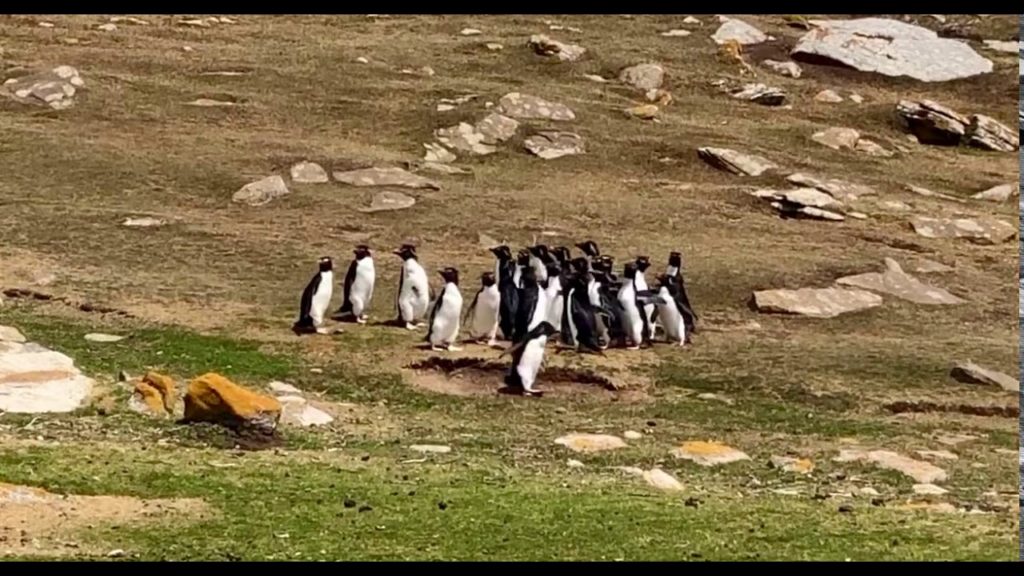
{"x":165,"y":385}
{"x":643,"y":111}
{"x":151,"y":397}
{"x":213,"y":398}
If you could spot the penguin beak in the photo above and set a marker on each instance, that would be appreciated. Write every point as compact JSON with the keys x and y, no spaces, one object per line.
{"x":397,"y":252}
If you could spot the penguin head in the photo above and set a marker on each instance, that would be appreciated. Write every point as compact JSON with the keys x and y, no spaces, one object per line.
{"x":675,"y":259}
{"x":326,"y":264}
{"x":589,"y":248}
{"x":642,"y":263}
{"x":528,"y":275}
{"x":547,"y":329}
{"x":605,"y":264}
{"x":540,"y":251}
{"x":554,"y":269}
{"x":450,"y":275}
{"x":503,"y":253}
{"x":487,"y":279}
{"x":666,"y":280}
{"x":561,"y":254}
{"x":629,"y":270}
{"x":362,"y":251}
{"x":579,"y":265}
{"x":406,"y":252}
{"x":523,"y":258}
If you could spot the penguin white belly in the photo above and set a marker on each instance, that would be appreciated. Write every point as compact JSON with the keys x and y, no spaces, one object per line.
{"x":539,"y":268}
{"x":530,"y":361}
{"x":486,"y":313}
{"x":517,"y":276}
{"x":555,"y":302}
{"x":631,"y":321}
{"x":362,"y":287}
{"x":414,"y":300}
{"x":671,"y":319}
{"x":322,"y":298}
{"x":573,"y":331}
{"x":445,"y":328}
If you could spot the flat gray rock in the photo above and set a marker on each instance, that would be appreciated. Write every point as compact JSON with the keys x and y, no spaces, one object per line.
{"x":920,"y":471}
{"x":296,"y":411}
{"x":931,"y":122}
{"x":1007,"y":46}
{"x":872,"y":148}
{"x":309,"y":173}
{"x":733,"y":29}
{"x":828,"y":97}
{"x":589,"y":443}
{"x":898,"y":283}
{"x":101,"y":338}
{"x":839,"y":189}
{"x":552,"y":144}
{"x":931,"y":267}
{"x":675,"y":33}
{"x":891,"y":48}
{"x":736,"y":162}
{"x":545,"y":46}
{"x":1000,"y":193}
{"x":388,"y":200}
{"x":645,"y":77}
{"x":922,"y":191}
{"x":759,"y":94}
{"x":446,"y":169}
{"x":815,"y":302}
{"x":971,"y":373}
{"x":143,"y":222}
{"x":811,"y":197}
{"x":437,"y":153}
{"x":981,"y":230}
{"x":261,"y":191}
{"x":527,"y":107}
{"x":837,"y":138}
{"x":11,"y":334}
{"x":389,"y":176}
{"x":988,"y":133}
{"x":787,"y":68}
{"x":465,"y":137}
{"x":34,"y":380}
{"x":497,"y":128}
{"x":55,"y":88}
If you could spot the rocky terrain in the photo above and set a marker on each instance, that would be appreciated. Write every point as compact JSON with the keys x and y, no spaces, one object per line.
{"x":845,"y":191}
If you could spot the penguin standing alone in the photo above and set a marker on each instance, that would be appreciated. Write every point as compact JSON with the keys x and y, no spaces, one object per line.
{"x":671,"y":319}
{"x":413,"y":289}
{"x":675,"y":269}
{"x":527,"y":357}
{"x":446,"y":315}
{"x":316,"y":298}
{"x":359,"y":283}
{"x":484,"y":312}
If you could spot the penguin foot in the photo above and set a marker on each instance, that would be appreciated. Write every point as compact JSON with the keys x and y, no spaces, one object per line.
{"x":492,"y":343}
{"x":634,"y":347}
{"x":532,"y":393}
{"x":322,"y":330}
{"x":435,"y":348}
{"x":453,"y":348}
{"x":410,"y":326}
{"x":361,"y":320}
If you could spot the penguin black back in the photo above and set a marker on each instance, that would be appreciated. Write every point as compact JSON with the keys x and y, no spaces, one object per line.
{"x":360,"y":252}
{"x":529,"y":295}
{"x":305,"y":323}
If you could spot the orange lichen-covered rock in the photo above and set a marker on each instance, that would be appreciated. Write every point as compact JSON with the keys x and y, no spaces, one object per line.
{"x":165,"y":385}
{"x":213,"y":398}
{"x":150,"y":398}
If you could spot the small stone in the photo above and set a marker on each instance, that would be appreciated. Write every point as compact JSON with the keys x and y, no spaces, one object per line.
{"x":691,"y":20}
{"x":676,"y":33}
{"x":846,"y":509}
{"x":143,"y":222}
{"x":573,"y":463}
{"x":815,"y":302}
{"x":938,"y":454}
{"x":431,"y":448}
{"x":587,"y":443}
{"x":494,"y":46}
{"x":643,"y":112}
{"x":856,"y":98}
{"x":117,"y":553}
{"x":981,"y":230}
{"x":715,"y":397}
{"x":46,"y":24}
{"x":389,"y":200}
{"x":528,"y":107}
{"x":929,"y":490}
{"x":645,"y":77}
{"x":662,"y":480}
{"x":108,"y":27}
{"x":632,"y":435}
{"x":388,"y":176}
{"x":708,"y":453}
{"x":261,"y":191}
{"x":211,"y":103}
{"x":365,"y":508}
{"x":550,"y":145}
{"x":544,"y":46}
{"x":363,"y":60}
{"x":187,"y":49}
{"x":595,"y":78}
{"x":828,"y":96}
{"x":349,"y":503}
{"x":1009,"y":47}
{"x":736,"y":162}
{"x":790,"y":464}
{"x":427,"y":71}
{"x":103,"y":338}
{"x":1000,"y":193}
{"x":898,"y":283}
{"x":759,"y":94}
{"x":868,"y":491}
{"x":308,"y":173}
{"x":470,"y":32}
{"x":739,"y":31}
{"x":872,"y":148}
{"x":788,"y":68}
{"x":438,"y":153}
{"x":837,"y":138}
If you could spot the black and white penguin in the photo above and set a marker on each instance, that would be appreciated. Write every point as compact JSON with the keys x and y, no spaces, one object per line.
{"x":590,"y":249}
{"x":359,"y":281}
{"x":579,"y":318}
{"x":675,"y":269}
{"x":413,"y":298}
{"x":522,"y":262}
{"x":527,"y":358}
{"x":316,"y":298}
{"x":640,"y":281}
{"x":505,"y":269}
{"x":446,"y":315}
{"x":553,"y":293}
{"x":669,"y":315}
{"x":532,"y":306}
{"x":483,"y":314}
{"x":540,"y":256}
{"x":634,"y":321}
{"x":562,"y":256}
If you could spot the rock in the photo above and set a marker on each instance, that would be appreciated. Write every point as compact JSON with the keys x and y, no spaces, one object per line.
{"x":988,"y":133}
{"x":891,"y":48}
{"x":115,"y":553}
{"x":545,"y":46}
{"x":868,"y":491}
{"x":45,"y":24}
{"x":390,"y":176}
{"x":55,"y":88}
{"x":872,"y":148}
{"x":129,"y":20}
{"x":195,"y":23}
{"x":739,"y":31}
{"x":527,"y":107}
{"x":837,"y":138}
{"x":213,"y":398}
{"x":675,"y":33}
{"x":103,"y":338}
{"x":921,"y":472}
{"x":211,"y":103}
{"x":1000,"y":193}
{"x":643,"y":76}
{"x":788,"y":68}
{"x":296,"y":411}
{"x":931,"y":122}
{"x":898,"y":283}
{"x":11,"y":334}
{"x":587,"y":443}
{"x":309,"y":173}
{"x":643,"y":112}
{"x":497,"y":128}
{"x":955,"y":439}
{"x":34,"y":379}
{"x":708,"y":453}
{"x":156,"y":394}
{"x":839,"y":189}
{"x":809,"y":197}
{"x":940,"y":454}
{"x":856,"y":98}
{"x":465,"y":138}
{"x":494,"y":46}
{"x":759,"y":94}
{"x":790,"y":464}
{"x":108,"y":27}
{"x":979,"y":230}
{"x":815,"y":302}
{"x":595,"y":78}
{"x":143,"y":222}
{"x":931,"y":267}
{"x":662,"y":480}
{"x":552,"y":144}
{"x":736,"y":162}
{"x":470,"y":32}
{"x":281,"y":388}
{"x":431,"y":448}
{"x":261,"y":191}
{"x":715,"y":397}
{"x":921,"y":191}
{"x":446,"y":169}
{"x":691,"y":20}
{"x":632,"y":435}
{"x":573,"y":463}
{"x":1010,"y":47}
{"x":438,"y":153}
{"x":446,"y":104}
{"x":187,"y":49}
{"x":895,"y":206}
{"x":971,"y":373}
{"x":363,"y":60}
{"x":387,"y":200}
{"x":828,"y":96}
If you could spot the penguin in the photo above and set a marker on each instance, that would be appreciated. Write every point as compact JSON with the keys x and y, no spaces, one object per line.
{"x":527,"y":357}
{"x":562,"y":256}
{"x":359,"y":283}
{"x":532,"y":306}
{"x":634,"y":321}
{"x":675,"y":269}
{"x":316,"y":298}
{"x":672,"y":320}
{"x":522,"y":261}
{"x":590,"y":249}
{"x":505,"y":268}
{"x":604,"y":293}
{"x":413,"y":289}
{"x":483,"y":315}
{"x":640,"y":281}
{"x":579,"y":321}
{"x":446,"y":315}
{"x":538,"y":260}
{"x":553,"y":292}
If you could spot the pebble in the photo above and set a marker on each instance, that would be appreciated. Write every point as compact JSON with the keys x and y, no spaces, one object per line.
{"x":632,"y":435}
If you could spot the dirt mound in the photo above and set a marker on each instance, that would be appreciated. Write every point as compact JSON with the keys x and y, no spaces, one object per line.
{"x":38,"y":523}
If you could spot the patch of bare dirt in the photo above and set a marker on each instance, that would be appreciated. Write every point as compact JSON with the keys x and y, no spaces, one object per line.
{"x":39,"y":523}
